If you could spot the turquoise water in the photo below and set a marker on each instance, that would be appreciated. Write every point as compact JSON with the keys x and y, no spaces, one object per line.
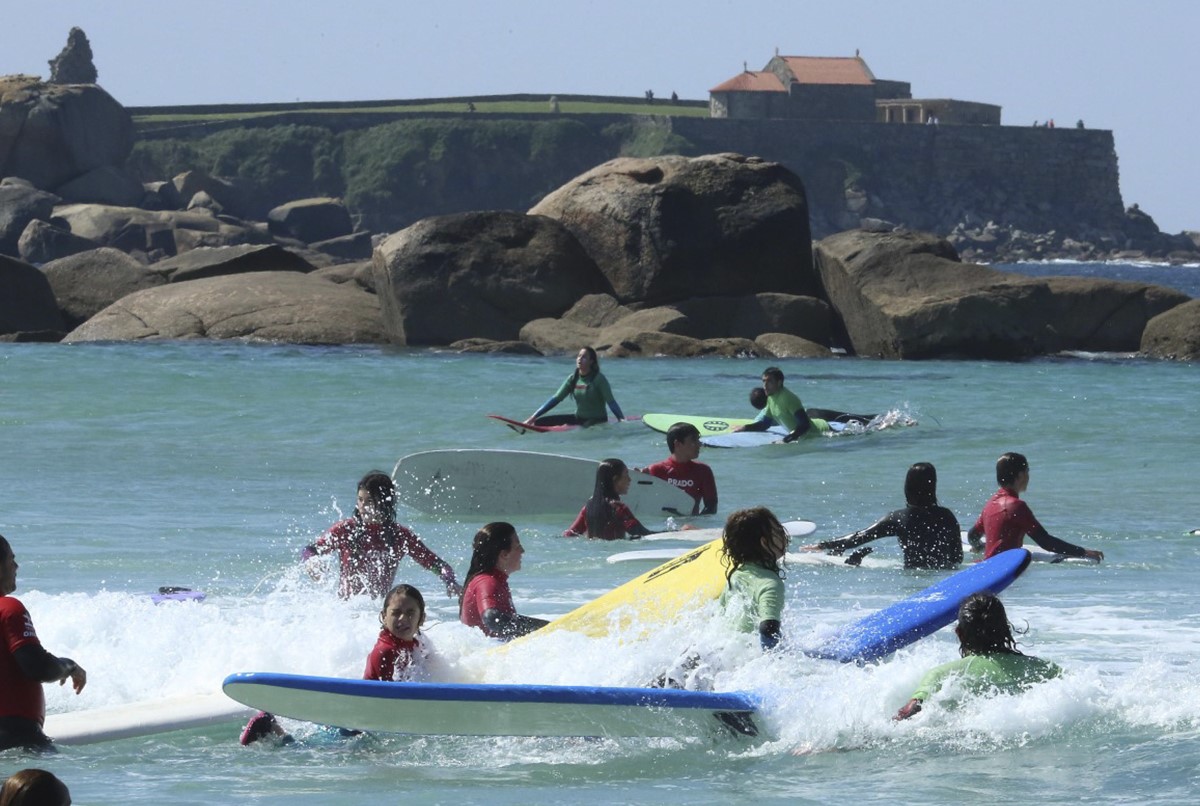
{"x":126,"y":467}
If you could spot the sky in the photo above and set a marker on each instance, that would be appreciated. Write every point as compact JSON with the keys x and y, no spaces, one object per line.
{"x":1126,"y":65}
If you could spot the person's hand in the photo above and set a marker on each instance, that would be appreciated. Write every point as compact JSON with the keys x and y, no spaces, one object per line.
{"x":1094,"y":555}
{"x":911,"y":707}
{"x":811,"y":547}
{"x":453,"y":589}
{"x":75,"y":673}
{"x":529,"y":420}
{"x":738,"y":428}
{"x":687,"y":526}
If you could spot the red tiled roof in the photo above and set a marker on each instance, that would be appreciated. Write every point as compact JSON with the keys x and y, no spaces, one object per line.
{"x":750,"y":81}
{"x":829,"y":69}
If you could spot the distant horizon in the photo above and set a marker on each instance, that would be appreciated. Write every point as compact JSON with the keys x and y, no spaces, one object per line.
{"x":1119,"y":67}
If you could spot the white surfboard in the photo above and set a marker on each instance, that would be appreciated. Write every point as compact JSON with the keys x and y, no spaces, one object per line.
{"x":144,"y":718}
{"x":496,"y":483}
{"x":793,"y":528}
{"x":1039,"y":554}
{"x":450,"y":709}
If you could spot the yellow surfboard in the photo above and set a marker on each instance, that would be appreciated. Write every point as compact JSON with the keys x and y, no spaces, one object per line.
{"x":656,"y":597}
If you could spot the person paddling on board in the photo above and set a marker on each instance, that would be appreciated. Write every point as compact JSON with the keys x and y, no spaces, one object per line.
{"x":990,"y":659}
{"x":399,"y":655}
{"x":783,"y":408}
{"x":753,"y":543}
{"x":682,"y":470}
{"x":24,"y":666}
{"x":605,"y":516}
{"x":929,"y":534}
{"x":1006,"y":519}
{"x":590,"y":389}
{"x":758,"y":399}
{"x":486,"y":601}
{"x":371,"y":544}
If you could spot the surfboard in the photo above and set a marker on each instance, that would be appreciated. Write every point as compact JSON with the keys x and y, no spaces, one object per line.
{"x":793,"y":528}
{"x":921,"y":614}
{"x":707,"y":426}
{"x":522,"y":428}
{"x":446,"y":709}
{"x":516,"y":483}
{"x":1039,"y":554}
{"x":145,"y":718}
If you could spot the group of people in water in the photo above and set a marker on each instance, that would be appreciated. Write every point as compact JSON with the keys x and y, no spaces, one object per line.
{"x":371,"y":544}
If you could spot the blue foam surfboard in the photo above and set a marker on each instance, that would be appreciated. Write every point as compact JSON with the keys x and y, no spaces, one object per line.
{"x":451,"y":709}
{"x":923,"y":613}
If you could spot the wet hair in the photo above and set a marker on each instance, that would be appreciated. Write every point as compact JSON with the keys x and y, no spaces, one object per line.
{"x":920,"y":485}
{"x":34,"y":787}
{"x":382,"y":493}
{"x":983,"y":627}
{"x":1009,"y":466}
{"x":743,"y":539}
{"x":403,"y":590}
{"x":591,"y":351}
{"x":773,"y":372}
{"x":490,"y":541}
{"x":4,"y":546}
{"x":679,"y":432}
{"x":599,"y":512}
{"x":758,"y":398}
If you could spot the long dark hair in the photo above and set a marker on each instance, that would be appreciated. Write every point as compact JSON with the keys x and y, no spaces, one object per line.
{"x":920,"y":485}
{"x":983,"y":627}
{"x":743,"y":540}
{"x":591,"y":351}
{"x":382,"y":492}
{"x":601,"y":516}
{"x":489,"y":541}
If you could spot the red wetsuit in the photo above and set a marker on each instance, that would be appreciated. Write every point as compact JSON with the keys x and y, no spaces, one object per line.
{"x":694,"y":478}
{"x":486,"y":591}
{"x":20,"y":696}
{"x":623,"y":522}
{"x":392,"y":658}
{"x":369,"y":554}
{"x":1005,"y":521}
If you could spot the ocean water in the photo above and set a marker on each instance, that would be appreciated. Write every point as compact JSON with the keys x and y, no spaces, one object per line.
{"x":126,"y":467}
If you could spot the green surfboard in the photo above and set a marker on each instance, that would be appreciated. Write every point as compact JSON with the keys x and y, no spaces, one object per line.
{"x":707,"y":426}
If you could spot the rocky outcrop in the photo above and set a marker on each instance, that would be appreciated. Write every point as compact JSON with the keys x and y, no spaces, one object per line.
{"x":162,"y":232}
{"x":906,"y":295}
{"x":27,"y":302}
{"x":268,"y":306}
{"x":1175,"y":333}
{"x":650,"y":343}
{"x":85,"y":284}
{"x":669,"y":228}
{"x":311,"y":220}
{"x":21,"y":203}
{"x":104,"y":185}
{"x":42,"y":242}
{"x":217,"y":261}
{"x":785,"y":345}
{"x":73,"y":64}
{"x":53,"y":133}
{"x":478,"y":275}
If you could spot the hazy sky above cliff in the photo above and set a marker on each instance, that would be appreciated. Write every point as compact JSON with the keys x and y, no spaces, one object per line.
{"x":1116,"y":64}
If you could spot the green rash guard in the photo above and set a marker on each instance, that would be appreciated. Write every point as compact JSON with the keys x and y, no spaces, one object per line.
{"x":754,"y":595}
{"x":1005,"y":672}
{"x":782,"y":407}
{"x":591,"y":393}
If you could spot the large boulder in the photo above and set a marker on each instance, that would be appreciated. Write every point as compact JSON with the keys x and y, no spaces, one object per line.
{"x":268,"y":306}
{"x":746,"y":317}
{"x":1105,"y":315}
{"x":85,"y":284}
{"x":217,"y":261}
{"x":53,"y":133}
{"x":21,"y":203}
{"x":42,"y":242}
{"x":669,"y":228}
{"x":311,"y":220}
{"x":73,"y":64}
{"x":104,"y":185}
{"x":167,"y":231}
{"x":481,"y":275}
{"x":1175,"y":333}
{"x":229,"y":195}
{"x":27,"y":302}
{"x":906,"y":295}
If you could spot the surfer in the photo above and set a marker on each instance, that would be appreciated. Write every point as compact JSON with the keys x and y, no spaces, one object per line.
{"x":683,"y":471}
{"x":929,"y":534}
{"x":371,"y":544}
{"x":990,"y":660}
{"x":24,"y":666}
{"x":605,"y":516}
{"x":486,"y":600}
{"x":399,"y":654}
{"x":783,"y":408}
{"x":758,"y":399}
{"x":753,"y":544}
{"x":1006,"y":519}
{"x":590,"y":389}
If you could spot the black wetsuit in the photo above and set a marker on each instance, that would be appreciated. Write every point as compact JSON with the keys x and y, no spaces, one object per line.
{"x":929,"y":536}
